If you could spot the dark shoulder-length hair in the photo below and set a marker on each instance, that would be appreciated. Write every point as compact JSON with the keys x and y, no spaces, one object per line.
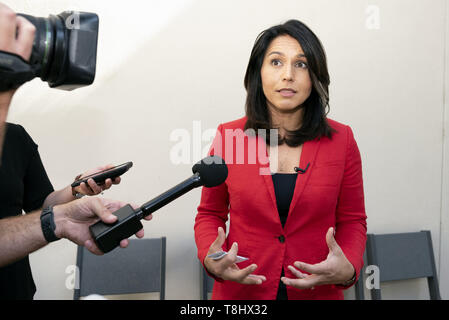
{"x":316,"y":107}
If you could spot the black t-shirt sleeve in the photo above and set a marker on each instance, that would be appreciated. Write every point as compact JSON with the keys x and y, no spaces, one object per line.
{"x":37,"y":185}
{"x":24,"y":185}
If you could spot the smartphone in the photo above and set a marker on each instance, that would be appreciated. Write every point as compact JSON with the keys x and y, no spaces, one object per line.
{"x":100,"y":177}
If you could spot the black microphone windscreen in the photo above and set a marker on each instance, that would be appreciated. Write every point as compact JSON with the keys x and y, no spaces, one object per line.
{"x":213,"y":171}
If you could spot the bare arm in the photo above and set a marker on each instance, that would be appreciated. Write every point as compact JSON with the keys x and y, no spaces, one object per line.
{"x":20,"y":236}
{"x":59,"y":197}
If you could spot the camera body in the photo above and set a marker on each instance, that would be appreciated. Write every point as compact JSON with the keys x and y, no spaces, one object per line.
{"x":64,"y":52}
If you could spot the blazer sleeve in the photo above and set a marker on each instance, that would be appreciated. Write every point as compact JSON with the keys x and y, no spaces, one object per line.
{"x":213,"y":209}
{"x":350,"y":214}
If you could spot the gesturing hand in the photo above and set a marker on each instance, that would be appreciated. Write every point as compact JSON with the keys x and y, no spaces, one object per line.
{"x":336,"y":269}
{"x":226,"y":268}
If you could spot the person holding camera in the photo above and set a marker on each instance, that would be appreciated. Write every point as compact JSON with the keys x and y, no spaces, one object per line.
{"x":24,"y":186}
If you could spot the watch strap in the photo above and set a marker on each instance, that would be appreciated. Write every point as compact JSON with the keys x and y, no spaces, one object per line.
{"x":349,"y":282}
{"x":76,"y":194}
{"x":48,"y":224}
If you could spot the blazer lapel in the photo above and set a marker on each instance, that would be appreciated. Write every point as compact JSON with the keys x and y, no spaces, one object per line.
{"x":308,"y":155}
{"x":264,"y":170}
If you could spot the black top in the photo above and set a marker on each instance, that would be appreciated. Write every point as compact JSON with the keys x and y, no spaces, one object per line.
{"x":24,"y":185}
{"x":284,"y":187}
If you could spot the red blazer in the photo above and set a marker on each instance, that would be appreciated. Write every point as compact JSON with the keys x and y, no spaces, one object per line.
{"x":328,"y":194}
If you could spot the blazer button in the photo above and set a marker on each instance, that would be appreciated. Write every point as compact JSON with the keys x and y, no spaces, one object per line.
{"x":281,"y":239}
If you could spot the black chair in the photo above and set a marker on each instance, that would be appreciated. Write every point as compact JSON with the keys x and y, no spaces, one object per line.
{"x":359,"y":285}
{"x":402,"y":256}
{"x":206,"y":284}
{"x":140,"y":268}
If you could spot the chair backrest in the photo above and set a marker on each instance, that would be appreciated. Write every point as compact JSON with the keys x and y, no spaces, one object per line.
{"x":359,"y":285}
{"x":140,"y":268}
{"x":206,"y":283}
{"x":401,"y":256}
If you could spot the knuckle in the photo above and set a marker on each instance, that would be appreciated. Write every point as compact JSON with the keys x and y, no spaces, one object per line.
{"x":27,"y":26}
{"x":9,"y":15}
{"x":243,"y":277}
{"x":31,"y":28}
{"x":228,"y":259}
{"x":217,"y":272}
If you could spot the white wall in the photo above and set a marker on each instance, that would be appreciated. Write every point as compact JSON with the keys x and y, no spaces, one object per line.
{"x":444,"y":250}
{"x":163,"y":66}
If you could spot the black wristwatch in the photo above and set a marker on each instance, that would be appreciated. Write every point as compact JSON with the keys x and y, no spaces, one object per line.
{"x":48,"y":224}
{"x":76,"y":194}
{"x":348,"y":282}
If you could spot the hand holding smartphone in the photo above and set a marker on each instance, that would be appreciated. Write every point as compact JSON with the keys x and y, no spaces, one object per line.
{"x":101,"y":176}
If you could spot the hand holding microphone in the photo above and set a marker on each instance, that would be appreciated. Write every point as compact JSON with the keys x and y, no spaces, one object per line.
{"x":209,"y":172}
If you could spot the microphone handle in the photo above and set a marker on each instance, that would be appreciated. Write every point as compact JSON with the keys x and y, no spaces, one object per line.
{"x":108,"y":236}
{"x":169,"y":195}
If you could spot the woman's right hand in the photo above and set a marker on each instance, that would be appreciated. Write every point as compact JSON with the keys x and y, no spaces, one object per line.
{"x":226,"y":268}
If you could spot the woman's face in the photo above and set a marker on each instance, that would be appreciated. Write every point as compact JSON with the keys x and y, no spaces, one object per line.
{"x":285,"y":75}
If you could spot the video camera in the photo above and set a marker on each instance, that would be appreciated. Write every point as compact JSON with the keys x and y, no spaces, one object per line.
{"x":64,"y":53}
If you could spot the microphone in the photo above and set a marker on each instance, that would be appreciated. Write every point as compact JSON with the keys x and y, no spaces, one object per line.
{"x":209,"y":172}
{"x":302,"y":171}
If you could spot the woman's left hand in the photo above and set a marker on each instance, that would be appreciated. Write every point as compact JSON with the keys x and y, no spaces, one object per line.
{"x":91,"y":188}
{"x":336,"y":269}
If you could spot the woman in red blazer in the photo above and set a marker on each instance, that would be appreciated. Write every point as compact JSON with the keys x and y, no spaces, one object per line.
{"x":294,"y":199}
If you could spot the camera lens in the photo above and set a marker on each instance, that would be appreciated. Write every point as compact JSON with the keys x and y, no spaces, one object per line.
{"x":65,"y":49}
